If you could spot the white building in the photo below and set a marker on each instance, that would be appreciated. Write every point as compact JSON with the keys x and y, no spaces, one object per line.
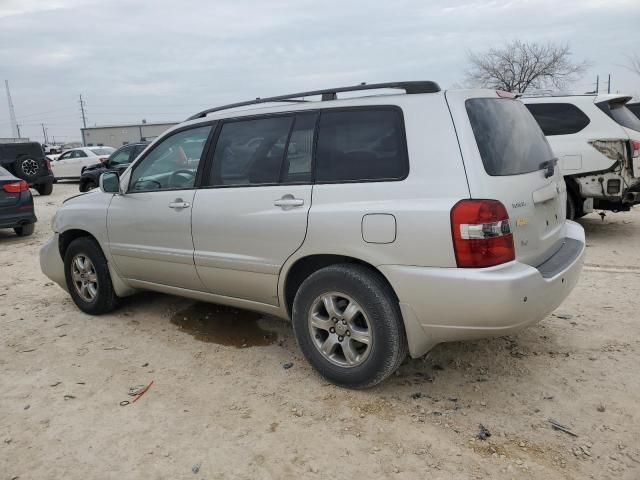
{"x":117,"y":135}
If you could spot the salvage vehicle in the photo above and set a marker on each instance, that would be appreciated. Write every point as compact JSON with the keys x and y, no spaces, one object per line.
{"x":597,"y":141}
{"x":70,"y":164}
{"x":118,"y":162}
{"x":16,"y":204}
{"x":377,"y":224}
{"x":27,"y":161}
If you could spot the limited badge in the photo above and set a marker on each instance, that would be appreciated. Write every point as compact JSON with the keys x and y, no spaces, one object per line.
{"x":521,"y":222}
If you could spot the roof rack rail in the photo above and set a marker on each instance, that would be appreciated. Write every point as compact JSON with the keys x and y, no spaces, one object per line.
{"x":329,"y":94}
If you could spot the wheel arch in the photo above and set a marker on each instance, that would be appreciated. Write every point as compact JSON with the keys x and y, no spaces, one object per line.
{"x":65,"y":238}
{"x":302,"y":267}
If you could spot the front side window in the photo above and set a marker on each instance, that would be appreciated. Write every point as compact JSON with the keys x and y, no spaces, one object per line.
{"x":173,"y":162}
{"x":65,"y":155}
{"x":78,"y":154}
{"x":558,"y":118}
{"x":250,"y":152}
{"x":508,"y":137}
{"x":361,"y":145}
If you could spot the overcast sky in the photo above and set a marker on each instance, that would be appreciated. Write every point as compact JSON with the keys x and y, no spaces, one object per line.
{"x":166,"y":59}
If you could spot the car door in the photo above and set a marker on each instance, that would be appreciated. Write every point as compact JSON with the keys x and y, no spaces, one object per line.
{"x":64,"y":164}
{"x":251,"y":213}
{"x":149,"y":226}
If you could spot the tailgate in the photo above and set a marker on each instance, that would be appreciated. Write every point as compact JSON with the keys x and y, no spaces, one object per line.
{"x":508,"y":158}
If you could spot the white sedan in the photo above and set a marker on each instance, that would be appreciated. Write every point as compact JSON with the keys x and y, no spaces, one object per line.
{"x":69,"y":165}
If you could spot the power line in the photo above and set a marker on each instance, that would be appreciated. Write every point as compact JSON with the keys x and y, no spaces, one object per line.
{"x":12,"y":113}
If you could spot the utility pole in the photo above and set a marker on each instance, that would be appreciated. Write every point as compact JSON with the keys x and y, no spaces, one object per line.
{"x":15,"y":129}
{"x":597,"y":84}
{"x":84,"y":118}
{"x":609,"y":84}
{"x":44,"y":134}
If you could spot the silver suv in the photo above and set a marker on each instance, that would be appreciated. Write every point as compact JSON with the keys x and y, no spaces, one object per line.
{"x":378,"y":224}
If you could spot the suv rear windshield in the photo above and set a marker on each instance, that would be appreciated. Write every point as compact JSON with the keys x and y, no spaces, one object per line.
{"x":508,"y":137}
{"x":621,"y":115}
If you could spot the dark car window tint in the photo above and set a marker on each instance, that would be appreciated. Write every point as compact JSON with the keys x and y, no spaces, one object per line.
{"x":623,"y":116}
{"x":297,"y":165}
{"x":361,"y":145}
{"x":250,"y":152}
{"x":508,"y":138}
{"x":558,"y":118}
{"x":137,"y":151}
{"x":635,"y":108}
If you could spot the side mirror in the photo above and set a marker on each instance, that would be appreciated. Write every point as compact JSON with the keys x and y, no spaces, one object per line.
{"x":109,"y":182}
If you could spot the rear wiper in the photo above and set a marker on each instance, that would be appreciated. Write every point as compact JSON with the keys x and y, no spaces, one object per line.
{"x":549,"y":167}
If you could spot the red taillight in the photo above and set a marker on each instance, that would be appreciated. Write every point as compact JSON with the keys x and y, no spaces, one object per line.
{"x":481,"y":233}
{"x":48,"y":162}
{"x":635,"y":149}
{"x":16,"y":187}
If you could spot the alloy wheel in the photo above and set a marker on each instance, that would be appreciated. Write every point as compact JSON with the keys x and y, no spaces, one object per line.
{"x":340,"y":329}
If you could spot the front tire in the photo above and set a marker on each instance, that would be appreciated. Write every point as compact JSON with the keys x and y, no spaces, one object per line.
{"x":348,"y":324}
{"x":87,"y":276}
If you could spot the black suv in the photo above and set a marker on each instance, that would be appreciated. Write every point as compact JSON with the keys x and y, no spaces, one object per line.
{"x":118,"y":162}
{"x":28,"y":162}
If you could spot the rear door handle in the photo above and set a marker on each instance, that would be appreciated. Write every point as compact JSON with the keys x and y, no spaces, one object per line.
{"x":289,"y":201}
{"x":179,"y":204}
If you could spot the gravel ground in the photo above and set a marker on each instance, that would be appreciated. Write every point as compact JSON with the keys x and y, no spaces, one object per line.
{"x":228,"y":408}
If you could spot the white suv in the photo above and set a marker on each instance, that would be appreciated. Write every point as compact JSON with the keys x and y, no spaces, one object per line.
{"x":597,"y":140}
{"x":377,"y":224}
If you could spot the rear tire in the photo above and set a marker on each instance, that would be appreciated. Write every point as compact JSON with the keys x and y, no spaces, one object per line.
{"x":25,"y":230}
{"x":44,"y":189}
{"x":363,"y":308}
{"x":88,"y":280}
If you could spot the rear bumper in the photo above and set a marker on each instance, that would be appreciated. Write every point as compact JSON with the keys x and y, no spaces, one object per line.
{"x":16,"y":219}
{"x":450,"y":304}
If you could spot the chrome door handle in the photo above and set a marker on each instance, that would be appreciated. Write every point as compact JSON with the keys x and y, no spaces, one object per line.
{"x":289,"y":201}
{"x":178,"y":204}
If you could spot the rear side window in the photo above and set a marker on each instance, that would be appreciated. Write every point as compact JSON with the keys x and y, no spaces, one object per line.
{"x":250,"y":152}
{"x":361,"y":145}
{"x":558,"y":118}
{"x":635,"y":108}
{"x":508,"y":138}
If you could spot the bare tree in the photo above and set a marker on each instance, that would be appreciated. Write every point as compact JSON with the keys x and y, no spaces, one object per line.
{"x":518,"y":66}
{"x":633,"y":63}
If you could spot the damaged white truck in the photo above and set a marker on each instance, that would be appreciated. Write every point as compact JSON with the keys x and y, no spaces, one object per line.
{"x":597,"y":141}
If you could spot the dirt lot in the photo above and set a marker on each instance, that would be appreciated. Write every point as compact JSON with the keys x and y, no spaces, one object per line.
{"x":227,"y":408}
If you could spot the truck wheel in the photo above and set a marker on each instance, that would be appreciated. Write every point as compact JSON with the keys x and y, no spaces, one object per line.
{"x":28,"y":169}
{"x":25,"y":230}
{"x":88,"y":280}
{"x":44,"y":189}
{"x":348,"y":324}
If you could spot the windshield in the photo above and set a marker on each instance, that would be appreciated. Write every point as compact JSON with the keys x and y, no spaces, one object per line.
{"x":508,"y":137}
{"x":623,"y":116}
